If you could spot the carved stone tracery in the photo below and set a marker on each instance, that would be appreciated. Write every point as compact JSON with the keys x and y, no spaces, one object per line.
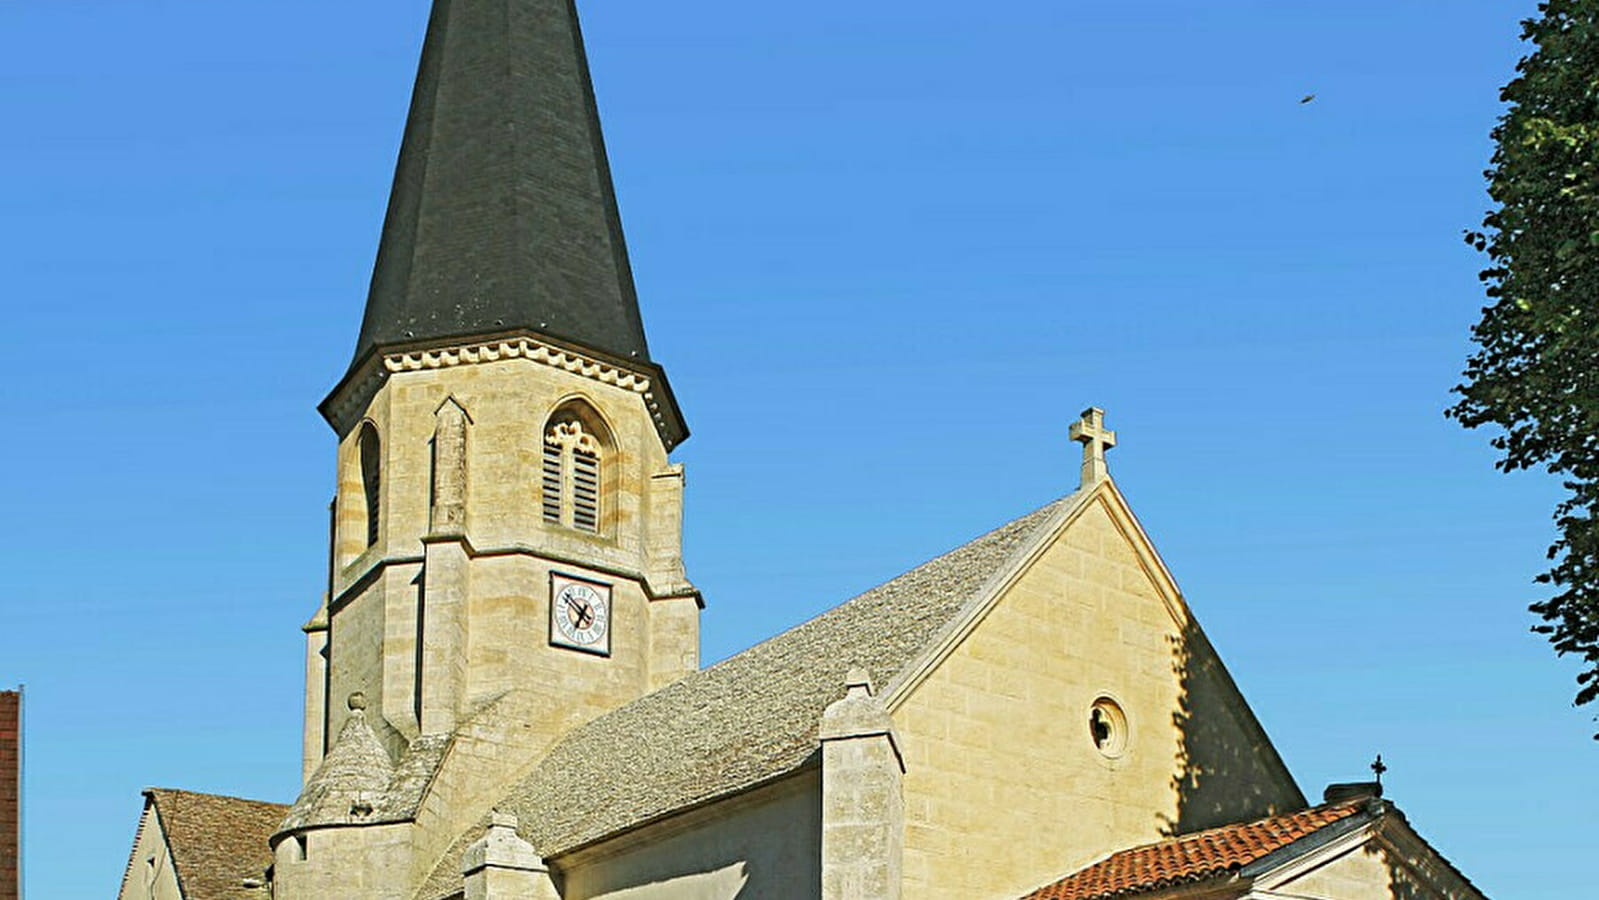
{"x":570,"y":435}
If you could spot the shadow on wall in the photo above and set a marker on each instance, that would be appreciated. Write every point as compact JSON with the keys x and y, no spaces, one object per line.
{"x":723,"y":884}
{"x":1227,"y":770}
{"x":1402,"y":883}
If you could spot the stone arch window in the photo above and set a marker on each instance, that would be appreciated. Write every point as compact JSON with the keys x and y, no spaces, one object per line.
{"x":573,"y":476}
{"x":371,"y":452}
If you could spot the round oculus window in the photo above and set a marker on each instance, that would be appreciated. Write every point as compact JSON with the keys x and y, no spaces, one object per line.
{"x":1107,"y":727}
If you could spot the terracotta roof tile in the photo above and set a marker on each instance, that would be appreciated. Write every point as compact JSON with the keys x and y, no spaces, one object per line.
{"x":1194,"y":857}
{"x":216,"y":842}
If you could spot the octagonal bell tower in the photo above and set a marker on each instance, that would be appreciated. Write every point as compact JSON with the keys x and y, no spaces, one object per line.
{"x":507,"y":521}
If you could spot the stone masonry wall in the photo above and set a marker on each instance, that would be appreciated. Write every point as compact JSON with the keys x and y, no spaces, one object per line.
{"x":1377,"y":870}
{"x":1362,"y":874}
{"x":457,"y":622}
{"x":765,"y":844}
{"x":374,"y":627}
{"x":1005,"y":787}
{"x":150,"y":875}
{"x":344,"y":863}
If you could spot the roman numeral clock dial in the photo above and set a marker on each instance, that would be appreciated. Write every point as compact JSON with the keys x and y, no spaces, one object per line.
{"x":580,"y":614}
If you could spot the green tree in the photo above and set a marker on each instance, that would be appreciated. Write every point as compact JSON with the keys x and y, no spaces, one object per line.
{"x":1535,"y":372}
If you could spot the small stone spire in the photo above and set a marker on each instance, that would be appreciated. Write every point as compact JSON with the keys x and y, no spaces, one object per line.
{"x":1090,"y":431}
{"x":859,"y":713}
{"x":350,"y":784}
{"x":502,"y":866}
{"x":863,"y":807}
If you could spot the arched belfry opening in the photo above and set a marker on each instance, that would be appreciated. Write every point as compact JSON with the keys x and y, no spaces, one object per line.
{"x":577,"y":472}
{"x":371,"y":453}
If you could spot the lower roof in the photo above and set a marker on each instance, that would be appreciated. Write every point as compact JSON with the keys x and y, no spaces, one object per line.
{"x":216,"y":842}
{"x":1196,"y":857}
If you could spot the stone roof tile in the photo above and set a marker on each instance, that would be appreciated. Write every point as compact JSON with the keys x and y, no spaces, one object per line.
{"x":216,"y":842}
{"x":351,"y":784}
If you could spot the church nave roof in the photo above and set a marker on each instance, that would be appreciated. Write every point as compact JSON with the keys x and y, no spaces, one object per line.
{"x":753,"y":717}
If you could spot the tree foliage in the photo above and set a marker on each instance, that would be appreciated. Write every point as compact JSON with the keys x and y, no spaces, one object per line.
{"x":1535,"y":372}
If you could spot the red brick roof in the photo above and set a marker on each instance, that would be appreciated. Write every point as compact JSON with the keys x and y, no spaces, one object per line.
{"x":10,"y":795}
{"x":1194,"y":857}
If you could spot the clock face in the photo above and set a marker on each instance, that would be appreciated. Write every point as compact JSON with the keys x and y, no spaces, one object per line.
{"x":580,"y":614}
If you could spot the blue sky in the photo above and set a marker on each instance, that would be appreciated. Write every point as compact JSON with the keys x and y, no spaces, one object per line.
{"x":887,"y":251}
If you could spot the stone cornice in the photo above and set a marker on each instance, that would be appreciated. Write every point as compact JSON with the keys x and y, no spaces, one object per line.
{"x":378,"y":565}
{"x":344,"y":406}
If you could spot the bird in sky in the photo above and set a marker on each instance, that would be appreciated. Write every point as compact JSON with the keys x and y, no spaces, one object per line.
{"x":1306,"y":99}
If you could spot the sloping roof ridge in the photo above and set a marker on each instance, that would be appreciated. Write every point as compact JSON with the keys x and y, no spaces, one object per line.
{"x":1060,"y":513}
{"x":787,"y":635}
{"x":166,"y":838}
{"x":138,"y":833}
{"x":862,"y":597}
{"x":233,"y":797}
{"x":1353,"y":805}
{"x":1186,"y":618}
{"x":1394,"y":816}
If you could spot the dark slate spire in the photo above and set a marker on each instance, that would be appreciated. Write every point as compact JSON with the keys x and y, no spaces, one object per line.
{"x":503,"y":216}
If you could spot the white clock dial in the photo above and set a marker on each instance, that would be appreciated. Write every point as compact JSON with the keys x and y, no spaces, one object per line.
{"x":580,"y":615}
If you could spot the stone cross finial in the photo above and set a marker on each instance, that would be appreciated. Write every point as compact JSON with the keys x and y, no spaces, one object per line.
{"x":1090,"y":431}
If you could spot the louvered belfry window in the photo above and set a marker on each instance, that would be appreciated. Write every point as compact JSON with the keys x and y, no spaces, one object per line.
{"x":551,"y":482}
{"x":585,"y":490}
{"x":569,"y":480}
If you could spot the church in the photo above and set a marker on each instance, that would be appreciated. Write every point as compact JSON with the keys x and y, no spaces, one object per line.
{"x":504,"y":697}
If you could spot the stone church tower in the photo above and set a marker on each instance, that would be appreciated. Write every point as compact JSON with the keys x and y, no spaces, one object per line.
{"x":507,"y":527}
